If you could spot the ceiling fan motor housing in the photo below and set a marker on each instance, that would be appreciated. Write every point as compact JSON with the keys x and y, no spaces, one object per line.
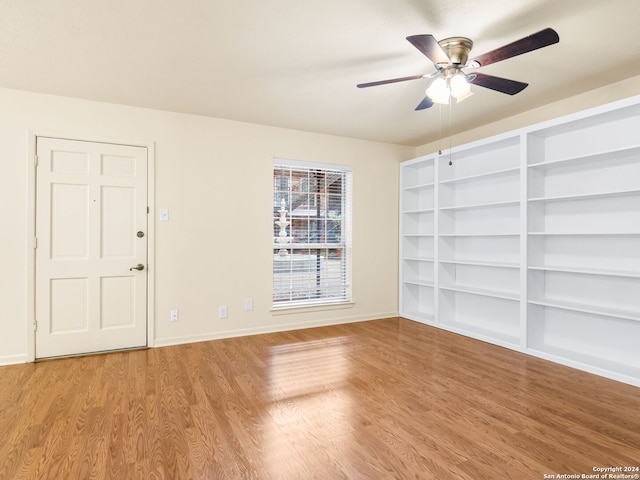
{"x":457,"y":48}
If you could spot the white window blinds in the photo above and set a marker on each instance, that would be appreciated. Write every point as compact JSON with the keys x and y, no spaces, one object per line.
{"x":311,"y":221}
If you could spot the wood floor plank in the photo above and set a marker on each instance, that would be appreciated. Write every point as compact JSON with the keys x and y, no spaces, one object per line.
{"x":385,"y":399}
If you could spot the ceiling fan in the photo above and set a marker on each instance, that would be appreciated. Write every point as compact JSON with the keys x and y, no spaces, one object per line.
{"x":451,"y":55}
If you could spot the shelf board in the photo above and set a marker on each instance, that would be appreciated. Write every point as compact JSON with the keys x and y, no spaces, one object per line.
{"x":482,"y":263}
{"x":598,"y":156}
{"x":486,"y":334}
{"x":420,"y":186}
{"x":597,"y":364}
{"x":580,"y":196}
{"x":479,"y":234}
{"x":481,"y":291}
{"x":587,"y":234}
{"x":417,"y":234}
{"x":482,"y":205}
{"x":418,"y":316}
{"x":492,"y":173}
{"x":419,"y":259}
{"x":420,"y":283}
{"x":586,"y":271}
{"x":590,"y":309}
{"x":419,"y":210}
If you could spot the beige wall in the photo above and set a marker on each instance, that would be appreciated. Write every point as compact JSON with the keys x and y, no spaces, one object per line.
{"x":208,"y":254}
{"x":617,"y":91}
{"x":215,"y":177}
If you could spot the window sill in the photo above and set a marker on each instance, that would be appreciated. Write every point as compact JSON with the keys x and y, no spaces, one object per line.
{"x":311,"y":308}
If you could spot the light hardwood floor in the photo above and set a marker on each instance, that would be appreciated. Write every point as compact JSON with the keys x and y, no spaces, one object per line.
{"x":372,"y":400}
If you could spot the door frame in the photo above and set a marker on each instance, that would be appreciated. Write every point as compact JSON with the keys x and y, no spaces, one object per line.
{"x":31,"y":227}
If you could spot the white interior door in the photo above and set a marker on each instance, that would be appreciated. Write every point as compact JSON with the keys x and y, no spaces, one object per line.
{"x":91,"y":230}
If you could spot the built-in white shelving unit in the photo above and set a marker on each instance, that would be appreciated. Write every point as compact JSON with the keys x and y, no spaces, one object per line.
{"x":531,"y":240}
{"x":417,"y":238}
{"x":478,"y":218}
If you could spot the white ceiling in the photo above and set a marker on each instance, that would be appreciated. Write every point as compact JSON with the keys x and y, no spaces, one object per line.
{"x":296,"y":63}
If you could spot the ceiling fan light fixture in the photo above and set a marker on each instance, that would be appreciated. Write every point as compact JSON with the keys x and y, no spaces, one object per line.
{"x":438,"y":91}
{"x":459,"y":86}
{"x":447,"y":86}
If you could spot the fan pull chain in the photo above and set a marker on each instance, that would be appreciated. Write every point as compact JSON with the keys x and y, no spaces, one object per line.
{"x":450,"y":131}
{"x":439,"y":129}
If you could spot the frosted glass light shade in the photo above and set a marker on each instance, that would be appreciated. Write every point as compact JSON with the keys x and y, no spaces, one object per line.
{"x":438,"y":91}
{"x":459,"y":86}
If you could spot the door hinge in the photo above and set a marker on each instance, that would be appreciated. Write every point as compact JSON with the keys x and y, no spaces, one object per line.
{"x":35,"y":160}
{"x":35,"y":242}
{"x":147,"y":210}
{"x":35,"y":326}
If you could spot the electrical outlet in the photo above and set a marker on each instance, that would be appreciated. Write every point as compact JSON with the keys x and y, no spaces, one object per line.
{"x":222,"y":311}
{"x":248,"y":304}
{"x":173,"y":316}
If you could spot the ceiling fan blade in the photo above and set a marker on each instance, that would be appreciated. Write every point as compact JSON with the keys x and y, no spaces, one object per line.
{"x":499,"y":84}
{"x":425,"y":103}
{"x":543,"y":38}
{"x":430,"y":48}
{"x":393,"y":80}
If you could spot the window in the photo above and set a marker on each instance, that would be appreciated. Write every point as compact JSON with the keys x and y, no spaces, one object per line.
{"x":311,"y":221}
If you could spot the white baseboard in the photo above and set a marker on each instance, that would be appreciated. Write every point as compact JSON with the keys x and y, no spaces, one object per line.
{"x":165,"y":342}
{"x":13,"y":359}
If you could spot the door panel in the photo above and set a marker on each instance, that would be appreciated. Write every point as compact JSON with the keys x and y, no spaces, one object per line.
{"x":119,"y":166}
{"x":69,"y":221}
{"x":118,"y":235}
{"x":91,"y":201}
{"x":66,"y":316}
{"x":117,"y":302}
{"x":69,"y":162}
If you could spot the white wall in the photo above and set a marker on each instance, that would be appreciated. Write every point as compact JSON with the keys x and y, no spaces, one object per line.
{"x":215,"y":177}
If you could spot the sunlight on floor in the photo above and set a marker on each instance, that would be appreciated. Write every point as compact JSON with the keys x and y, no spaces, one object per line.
{"x":310,"y":404}
{"x":306,"y":368}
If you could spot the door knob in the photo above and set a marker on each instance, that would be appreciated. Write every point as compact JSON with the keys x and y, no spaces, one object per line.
{"x":139,"y":266}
